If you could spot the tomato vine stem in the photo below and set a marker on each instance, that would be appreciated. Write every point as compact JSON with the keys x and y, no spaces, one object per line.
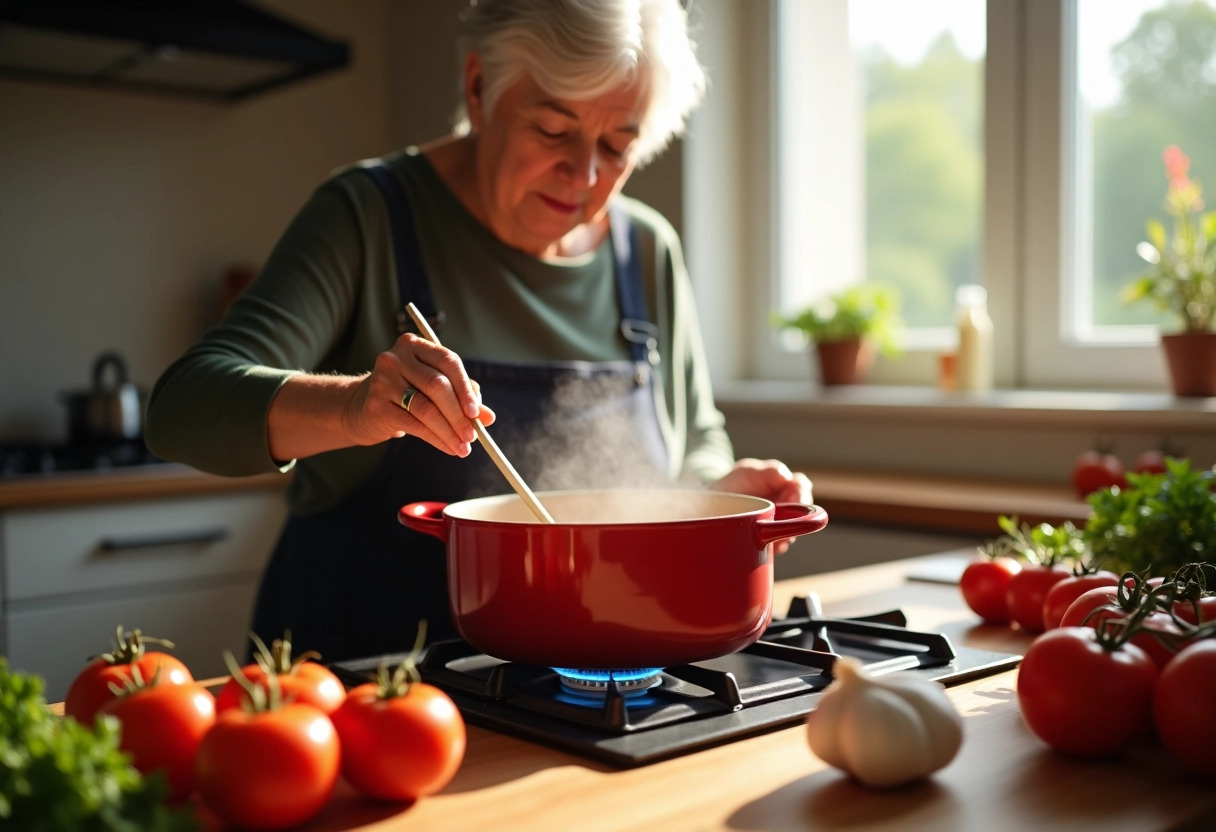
{"x":129,"y":647}
{"x":390,"y":686}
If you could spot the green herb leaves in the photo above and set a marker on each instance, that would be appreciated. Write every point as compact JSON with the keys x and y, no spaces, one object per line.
{"x":59,"y":776}
{"x":1158,"y":523}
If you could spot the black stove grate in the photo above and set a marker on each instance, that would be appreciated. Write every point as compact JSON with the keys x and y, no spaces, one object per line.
{"x":769,"y":684}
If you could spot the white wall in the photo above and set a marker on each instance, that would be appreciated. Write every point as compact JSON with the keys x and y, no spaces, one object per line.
{"x":120,"y":211}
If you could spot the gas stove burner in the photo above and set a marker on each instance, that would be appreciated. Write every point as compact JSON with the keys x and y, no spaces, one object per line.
{"x":597,"y":681}
{"x":638,"y":716}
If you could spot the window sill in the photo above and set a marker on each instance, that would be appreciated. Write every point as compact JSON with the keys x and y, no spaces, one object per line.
{"x":1005,"y":436}
{"x":1095,"y":410}
{"x":940,"y":504}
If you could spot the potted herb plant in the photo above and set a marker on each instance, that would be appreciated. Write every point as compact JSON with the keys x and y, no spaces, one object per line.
{"x":1182,"y":279}
{"x":847,"y":329}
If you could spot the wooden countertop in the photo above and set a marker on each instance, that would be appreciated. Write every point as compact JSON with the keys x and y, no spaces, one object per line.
{"x":133,"y":483}
{"x":1003,"y":778}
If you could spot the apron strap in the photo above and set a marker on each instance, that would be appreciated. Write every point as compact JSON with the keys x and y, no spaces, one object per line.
{"x":412,"y":283}
{"x":636,"y":326}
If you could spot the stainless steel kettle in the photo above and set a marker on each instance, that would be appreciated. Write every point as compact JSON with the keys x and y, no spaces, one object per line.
{"x":111,"y":411}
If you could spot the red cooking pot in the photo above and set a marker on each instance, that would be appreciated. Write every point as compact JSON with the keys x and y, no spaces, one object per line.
{"x":623,"y":579}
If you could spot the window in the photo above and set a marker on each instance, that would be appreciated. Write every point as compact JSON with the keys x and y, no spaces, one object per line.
{"x":1108,"y":85}
{"x":1145,"y":80}
{"x":1013,"y":143}
{"x":880,"y":145}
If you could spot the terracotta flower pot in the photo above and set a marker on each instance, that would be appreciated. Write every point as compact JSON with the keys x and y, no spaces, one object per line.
{"x":844,"y":362}
{"x":1191,"y":357}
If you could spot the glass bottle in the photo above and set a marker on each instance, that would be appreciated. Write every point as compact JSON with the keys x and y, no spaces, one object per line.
{"x":973,"y":366}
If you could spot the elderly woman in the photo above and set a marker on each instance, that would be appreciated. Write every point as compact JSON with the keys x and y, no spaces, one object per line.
{"x":561,"y":303}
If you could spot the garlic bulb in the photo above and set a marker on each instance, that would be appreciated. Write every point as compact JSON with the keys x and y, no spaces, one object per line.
{"x":883,"y":730}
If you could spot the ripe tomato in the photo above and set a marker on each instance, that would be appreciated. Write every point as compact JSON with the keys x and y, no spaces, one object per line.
{"x":1160,"y":638}
{"x":1027,"y":592}
{"x":306,"y":682}
{"x":1183,"y":711}
{"x":299,"y":680}
{"x":400,"y":747}
{"x":1061,"y":596}
{"x":1094,"y":470}
{"x":268,"y":769}
{"x":1105,"y":604}
{"x":91,"y":687}
{"x":1082,"y":698}
{"x":984,"y":583}
{"x":1199,"y":611}
{"x":162,"y":726}
{"x":1195,"y":593}
{"x":1088,"y":601}
{"x":1150,"y":462}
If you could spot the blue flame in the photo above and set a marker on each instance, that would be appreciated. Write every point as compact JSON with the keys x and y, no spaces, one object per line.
{"x":603,"y":676}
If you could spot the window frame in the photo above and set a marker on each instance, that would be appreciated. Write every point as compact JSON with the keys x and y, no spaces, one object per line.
{"x":1051,"y":356}
{"x":1030,"y":153}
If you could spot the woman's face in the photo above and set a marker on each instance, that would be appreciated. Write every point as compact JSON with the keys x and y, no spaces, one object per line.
{"x":547,"y":166}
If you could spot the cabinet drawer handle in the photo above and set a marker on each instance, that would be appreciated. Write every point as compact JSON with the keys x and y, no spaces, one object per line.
{"x":201,"y":536}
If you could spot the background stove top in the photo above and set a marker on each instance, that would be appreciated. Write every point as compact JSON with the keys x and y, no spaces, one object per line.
{"x":23,"y":459}
{"x":771,"y":684}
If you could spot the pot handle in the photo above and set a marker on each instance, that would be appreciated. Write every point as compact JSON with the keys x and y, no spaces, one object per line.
{"x":789,"y":520}
{"x":423,"y":517}
{"x":113,"y":361}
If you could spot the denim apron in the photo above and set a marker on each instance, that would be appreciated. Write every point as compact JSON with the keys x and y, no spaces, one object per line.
{"x":351,"y":582}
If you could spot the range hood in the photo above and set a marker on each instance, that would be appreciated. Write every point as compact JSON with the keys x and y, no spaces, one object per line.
{"x":223,"y":50}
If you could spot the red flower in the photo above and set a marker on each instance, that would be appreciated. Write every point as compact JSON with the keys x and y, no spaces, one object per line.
{"x":1177,"y":164}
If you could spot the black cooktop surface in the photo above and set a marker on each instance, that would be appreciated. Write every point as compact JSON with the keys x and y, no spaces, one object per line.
{"x":23,"y":459}
{"x":628,"y":722}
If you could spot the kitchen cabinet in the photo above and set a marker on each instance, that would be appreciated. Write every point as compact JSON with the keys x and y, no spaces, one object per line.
{"x":182,"y":567}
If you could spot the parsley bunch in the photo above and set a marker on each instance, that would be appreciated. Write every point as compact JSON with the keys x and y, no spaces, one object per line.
{"x":58,"y":776}
{"x":1157,"y":524}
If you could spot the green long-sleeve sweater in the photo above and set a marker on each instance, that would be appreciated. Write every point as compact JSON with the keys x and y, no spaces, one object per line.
{"x":327,"y":301}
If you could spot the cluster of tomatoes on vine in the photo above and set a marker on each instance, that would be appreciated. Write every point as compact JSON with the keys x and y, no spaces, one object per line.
{"x":267,"y":751}
{"x":1114,"y":655}
{"x":1139,"y":662}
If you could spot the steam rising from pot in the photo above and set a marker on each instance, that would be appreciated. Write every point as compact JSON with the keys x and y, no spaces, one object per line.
{"x":584,"y":438}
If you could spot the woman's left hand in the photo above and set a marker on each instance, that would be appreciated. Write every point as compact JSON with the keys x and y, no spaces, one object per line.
{"x":770,"y":479}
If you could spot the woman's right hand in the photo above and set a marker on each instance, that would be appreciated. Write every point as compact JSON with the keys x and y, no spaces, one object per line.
{"x":439,"y":412}
{"x":313,"y":413}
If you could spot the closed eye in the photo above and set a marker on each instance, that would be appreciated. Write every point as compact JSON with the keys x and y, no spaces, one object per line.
{"x":612,"y":151}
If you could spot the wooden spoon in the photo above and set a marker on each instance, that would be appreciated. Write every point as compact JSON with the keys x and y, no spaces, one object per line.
{"x":508,"y":471}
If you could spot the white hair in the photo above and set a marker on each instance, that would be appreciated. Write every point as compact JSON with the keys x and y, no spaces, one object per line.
{"x":581,"y":49}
